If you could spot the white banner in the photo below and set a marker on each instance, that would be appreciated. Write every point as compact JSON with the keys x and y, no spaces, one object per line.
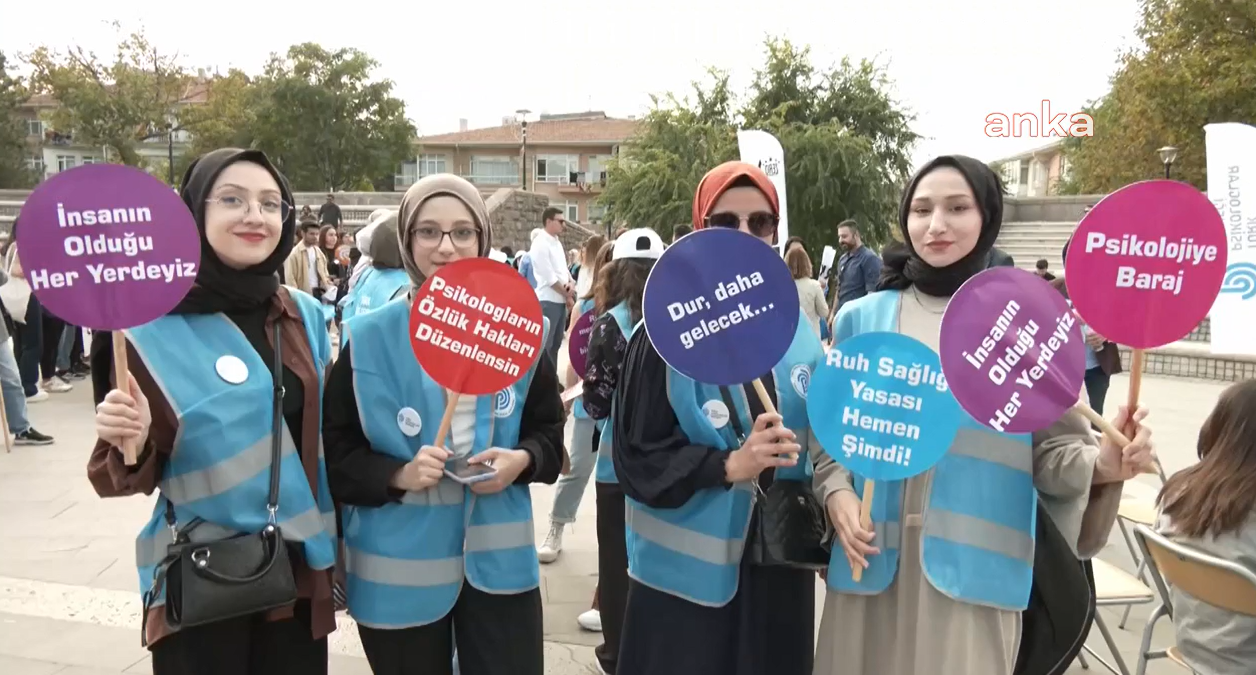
{"x":1231,"y":154}
{"x":826,"y":264}
{"x":763,"y":150}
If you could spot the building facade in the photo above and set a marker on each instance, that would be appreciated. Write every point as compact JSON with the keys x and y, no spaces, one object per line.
{"x":565,"y":159}
{"x":1035,"y":173}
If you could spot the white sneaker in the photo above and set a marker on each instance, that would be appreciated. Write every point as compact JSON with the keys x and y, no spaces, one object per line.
{"x":553,"y":545}
{"x":40,"y":395}
{"x":591,"y":621}
{"x":56,"y":385}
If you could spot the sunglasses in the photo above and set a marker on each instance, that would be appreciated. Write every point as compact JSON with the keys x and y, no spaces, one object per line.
{"x":760,"y":223}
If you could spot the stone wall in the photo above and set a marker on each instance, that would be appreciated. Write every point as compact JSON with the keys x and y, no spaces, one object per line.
{"x":515,"y":213}
{"x":1053,"y":209}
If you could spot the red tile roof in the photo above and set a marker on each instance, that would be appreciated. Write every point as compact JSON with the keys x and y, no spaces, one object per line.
{"x":594,"y":129}
{"x":196,"y":92}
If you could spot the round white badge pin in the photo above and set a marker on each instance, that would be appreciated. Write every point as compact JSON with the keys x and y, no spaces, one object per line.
{"x":232,"y":369}
{"x":716,"y":413}
{"x":409,"y":422}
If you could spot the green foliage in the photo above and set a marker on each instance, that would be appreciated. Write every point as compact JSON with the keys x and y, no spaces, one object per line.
{"x":113,"y":105}
{"x":228,"y":117}
{"x":13,"y":150}
{"x":1196,"y":66}
{"x":847,"y":146}
{"x":325,"y":123}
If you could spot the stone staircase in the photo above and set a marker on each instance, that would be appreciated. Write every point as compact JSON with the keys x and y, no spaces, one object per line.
{"x":1190,"y":357}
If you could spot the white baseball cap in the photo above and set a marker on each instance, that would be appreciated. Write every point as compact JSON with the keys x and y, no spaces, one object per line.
{"x":640,"y":243}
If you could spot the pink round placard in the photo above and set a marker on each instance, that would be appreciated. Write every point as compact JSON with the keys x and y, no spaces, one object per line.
{"x":1146,"y":264}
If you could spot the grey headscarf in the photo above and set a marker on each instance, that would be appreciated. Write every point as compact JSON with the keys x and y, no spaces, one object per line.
{"x":433,"y":186}
{"x":385,"y":248}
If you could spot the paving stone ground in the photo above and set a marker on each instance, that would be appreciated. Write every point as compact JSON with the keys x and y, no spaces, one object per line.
{"x":68,"y":600}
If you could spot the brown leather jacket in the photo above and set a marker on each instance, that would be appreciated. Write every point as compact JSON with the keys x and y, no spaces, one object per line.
{"x":1109,"y":356}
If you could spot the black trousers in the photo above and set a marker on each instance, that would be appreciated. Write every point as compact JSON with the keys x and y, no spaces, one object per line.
{"x":612,"y":571}
{"x":496,"y":635}
{"x":1097,"y":383}
{"x":28,"y":343}
{"x":54,"y":327}
{"x":244,"y":646}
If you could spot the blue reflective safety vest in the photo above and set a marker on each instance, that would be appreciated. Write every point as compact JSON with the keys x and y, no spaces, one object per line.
{"x":219,"y":469}
{"x":694,"y":552}
{"x":374,"y":289}
{"x":604,"y":471}
{"x":577,"y":407}
{"x":980,"y":521}
{"x":406,"y":561}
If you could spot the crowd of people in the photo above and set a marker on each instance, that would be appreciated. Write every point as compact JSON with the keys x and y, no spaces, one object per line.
{"x":317,"y":482}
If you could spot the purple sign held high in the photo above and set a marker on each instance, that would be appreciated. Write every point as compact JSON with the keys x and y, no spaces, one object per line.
{"x":578,"y":344}
{"x":1012,"y":350}
{"x":108,"y":247}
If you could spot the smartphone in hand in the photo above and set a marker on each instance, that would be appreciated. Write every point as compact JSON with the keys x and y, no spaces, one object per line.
{"x":464,"y":472}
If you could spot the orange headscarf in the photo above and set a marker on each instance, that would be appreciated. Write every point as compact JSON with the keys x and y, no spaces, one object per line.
{"x":718,"y":180}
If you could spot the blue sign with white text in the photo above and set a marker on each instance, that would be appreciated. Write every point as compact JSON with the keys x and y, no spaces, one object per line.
{"x":881,"y":407}
{"x":721,"y":307}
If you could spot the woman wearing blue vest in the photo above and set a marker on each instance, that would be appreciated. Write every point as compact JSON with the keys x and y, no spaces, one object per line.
{"x":198,"y":403}
{"x":582,"y":449}
{"x":431,"y":562}
{"x":696,"y":606}
{"x":385,"y":279}
{"x":949,"y":562}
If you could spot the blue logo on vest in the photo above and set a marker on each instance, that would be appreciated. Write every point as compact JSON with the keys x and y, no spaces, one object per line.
{"x":800,"y":377}
{"x":504,"y":403}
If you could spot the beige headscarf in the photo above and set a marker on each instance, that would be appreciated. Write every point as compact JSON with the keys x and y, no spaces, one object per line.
{"x":432,"y":186}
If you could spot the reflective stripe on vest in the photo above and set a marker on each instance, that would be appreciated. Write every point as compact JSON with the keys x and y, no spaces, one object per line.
{"x":694,"y":552}
{"x":577,"y":407}
{"x":219,"y":468}
{"x":407,"y":560}
{"x":980,"y":518}
{"x":604,"y":470}
{"x":374,"y":289}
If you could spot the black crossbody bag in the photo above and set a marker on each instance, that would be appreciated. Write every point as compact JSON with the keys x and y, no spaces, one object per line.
{"x":788,"y":526}
{"x":245,"y":574}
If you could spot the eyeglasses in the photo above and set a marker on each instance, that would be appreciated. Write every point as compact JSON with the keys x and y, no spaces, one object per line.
{"x":462,"y":237}
{"x":760,"y":223}
{"x":269,"y":207}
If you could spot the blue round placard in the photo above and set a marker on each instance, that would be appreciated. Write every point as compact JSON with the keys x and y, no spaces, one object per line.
{"x":721,"y":307}
{"x":881,"y":407}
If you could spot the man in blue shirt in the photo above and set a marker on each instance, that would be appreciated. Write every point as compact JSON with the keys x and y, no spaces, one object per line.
{"x":858,"y":268}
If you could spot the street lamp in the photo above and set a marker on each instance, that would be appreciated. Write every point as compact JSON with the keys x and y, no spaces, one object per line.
{"x":1167,"y":154}
{"x":523,"y":117}
{"x":170,"y":151}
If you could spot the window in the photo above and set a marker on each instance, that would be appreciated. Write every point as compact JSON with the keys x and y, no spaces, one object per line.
{"x":1024,"y":173}
{"x":36,"y":164}
{"x":35,"y":127}
{"x":65,"y":162}
{"x":597,"y":167}
{"x":556,"y":168}
{"x":1064,"y":168}
{"x":92,"y":160}
{"x":494,"y":170}
{"x":571,"y":210}
{"x":597,"y":213}
{"x":431,"y":164}
{"x":406,"y":176}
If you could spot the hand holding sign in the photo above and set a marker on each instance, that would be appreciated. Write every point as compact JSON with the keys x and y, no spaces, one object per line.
{"x":1013,"y":350}
{"x":108,"y":247}
{"x":721,"y":307}
{"x":476,"y":328}
{"x":881,"y":407}
{"x":1145,"y":266}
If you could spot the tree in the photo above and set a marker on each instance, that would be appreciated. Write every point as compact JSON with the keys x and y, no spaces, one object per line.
{"x":227,"y":118}
{"x":325,"y":123}
{"x":13,"y":150}
{"x":847,"y":146}
{"x":115,"y":105}
{"x":1196,"y":66}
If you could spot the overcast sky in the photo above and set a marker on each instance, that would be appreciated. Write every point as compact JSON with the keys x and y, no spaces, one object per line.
{"x":952,"y":63}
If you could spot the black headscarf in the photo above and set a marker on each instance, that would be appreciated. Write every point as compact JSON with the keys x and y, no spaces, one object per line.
{"x":218,"y":287}
{"x":903,"y":267}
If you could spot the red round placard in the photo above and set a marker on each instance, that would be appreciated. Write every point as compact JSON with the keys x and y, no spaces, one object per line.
{"x":476,"y":326}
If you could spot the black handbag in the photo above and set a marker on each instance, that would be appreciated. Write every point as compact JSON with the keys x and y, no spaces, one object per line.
{"x":211,"y":581}
{"x":788,"y":524}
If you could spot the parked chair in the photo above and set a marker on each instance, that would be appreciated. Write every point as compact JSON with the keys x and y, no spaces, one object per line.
{"x":1135,"y":511}
{"x":1207,"y":578}
{"x":1114,"y":587}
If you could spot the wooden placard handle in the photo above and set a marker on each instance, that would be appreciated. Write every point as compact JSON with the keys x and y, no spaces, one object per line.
{"x":446,"y":420}
{"x":121,"y":378}
{"x":865,"y":521}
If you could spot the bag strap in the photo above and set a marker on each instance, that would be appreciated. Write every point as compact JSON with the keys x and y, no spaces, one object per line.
{"x":733,"y":415}
{"x":276,"y":442}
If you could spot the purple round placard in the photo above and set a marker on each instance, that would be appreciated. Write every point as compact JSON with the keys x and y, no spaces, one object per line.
{"x":108,"y":247}
{"x":578,"y":343}
{"x":1012,"y":350}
